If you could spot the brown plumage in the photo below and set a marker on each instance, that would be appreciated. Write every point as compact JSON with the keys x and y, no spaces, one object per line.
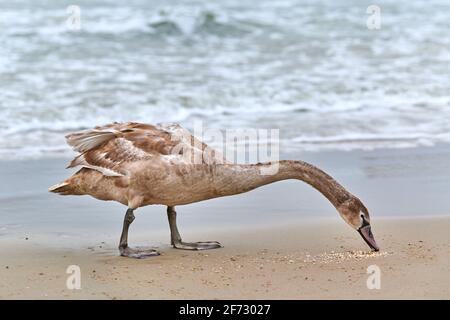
{"x":140,"y":164}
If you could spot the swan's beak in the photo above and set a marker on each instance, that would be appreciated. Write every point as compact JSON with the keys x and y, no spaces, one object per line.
{"x":367,"y":235}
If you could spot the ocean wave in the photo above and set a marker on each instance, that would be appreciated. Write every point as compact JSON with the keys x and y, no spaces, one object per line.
{"x":312,"y":70}
{"x":160,"y":20}
{"x":200,"y":22}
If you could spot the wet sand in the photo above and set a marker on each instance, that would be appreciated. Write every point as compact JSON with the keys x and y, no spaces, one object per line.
{"x":390,"y":182}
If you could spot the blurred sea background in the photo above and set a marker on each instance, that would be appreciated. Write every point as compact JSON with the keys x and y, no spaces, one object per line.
{"x":309,"y":68}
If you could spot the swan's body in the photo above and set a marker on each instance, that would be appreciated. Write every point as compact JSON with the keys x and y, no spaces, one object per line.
{"x":140,"y":164}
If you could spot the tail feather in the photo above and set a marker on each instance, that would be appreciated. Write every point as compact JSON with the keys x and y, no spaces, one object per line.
{"x":63,"y":188}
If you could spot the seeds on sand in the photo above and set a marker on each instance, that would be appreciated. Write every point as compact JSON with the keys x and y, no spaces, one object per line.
{"x":343,"y":256}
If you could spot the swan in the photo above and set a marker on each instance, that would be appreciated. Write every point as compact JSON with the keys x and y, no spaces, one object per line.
{"x":140,"y":164}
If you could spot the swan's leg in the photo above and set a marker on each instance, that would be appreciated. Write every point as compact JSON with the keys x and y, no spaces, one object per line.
{"x":124,"y":249}
{"x":175,"y":237}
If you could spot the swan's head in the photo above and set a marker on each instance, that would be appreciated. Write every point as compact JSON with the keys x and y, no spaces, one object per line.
{"x":356,"y":215}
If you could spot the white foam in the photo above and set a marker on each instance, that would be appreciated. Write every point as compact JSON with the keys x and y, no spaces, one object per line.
{"x":313,"y":71}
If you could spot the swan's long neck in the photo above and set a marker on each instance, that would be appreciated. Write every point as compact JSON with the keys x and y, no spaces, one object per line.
{"x":234,"y":179}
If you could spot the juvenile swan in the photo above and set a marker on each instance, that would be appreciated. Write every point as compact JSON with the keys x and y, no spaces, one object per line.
{"x":140,"y":164}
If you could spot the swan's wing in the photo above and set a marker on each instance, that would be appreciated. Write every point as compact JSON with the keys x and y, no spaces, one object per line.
{"x":109,"y":149}
{"x":188,"y":149}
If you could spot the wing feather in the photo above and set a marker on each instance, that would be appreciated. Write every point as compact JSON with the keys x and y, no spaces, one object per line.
{"x":111,"y":148}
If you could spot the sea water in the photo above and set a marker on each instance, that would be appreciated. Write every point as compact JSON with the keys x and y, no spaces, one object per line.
{"x":312,"y":69}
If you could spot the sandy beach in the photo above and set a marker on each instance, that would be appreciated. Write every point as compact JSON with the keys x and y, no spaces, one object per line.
{"x":319,"y":260}
{"x":280,"y":241}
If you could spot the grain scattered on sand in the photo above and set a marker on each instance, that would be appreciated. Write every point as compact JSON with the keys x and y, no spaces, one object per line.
{"x":337,"y":257}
